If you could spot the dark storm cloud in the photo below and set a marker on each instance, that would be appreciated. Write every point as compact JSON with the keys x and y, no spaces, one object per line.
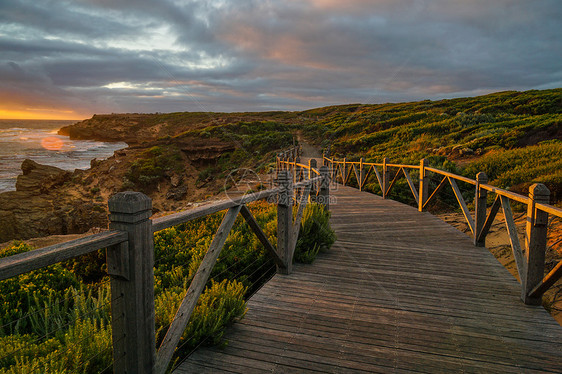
{"x":148,"y":55}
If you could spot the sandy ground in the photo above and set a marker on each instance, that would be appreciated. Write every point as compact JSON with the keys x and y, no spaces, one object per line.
{"x":497,"y":243}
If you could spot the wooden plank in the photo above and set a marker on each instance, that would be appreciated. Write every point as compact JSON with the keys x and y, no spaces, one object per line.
{"x":462,"y":204}
{"x":490,"y":218}
{"x":412,"y":186}
{"x":513,"y":236}
{"x":260,"y":234}
{"x":177,"y":327}
{"x":42,"y":257}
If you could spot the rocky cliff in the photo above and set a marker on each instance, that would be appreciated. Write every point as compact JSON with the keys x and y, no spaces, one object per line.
{"x":40,"y":206}
{"x":175,"y":158}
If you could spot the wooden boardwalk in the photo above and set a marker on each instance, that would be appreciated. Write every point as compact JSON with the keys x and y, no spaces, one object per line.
{"x":400,"y":291}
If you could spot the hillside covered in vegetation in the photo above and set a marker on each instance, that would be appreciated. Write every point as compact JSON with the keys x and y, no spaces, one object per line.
{"x":514,"y":137}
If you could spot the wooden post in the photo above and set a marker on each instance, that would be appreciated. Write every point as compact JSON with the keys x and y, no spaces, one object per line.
{"x":536,"y":230}
{"x":324,"y":192}
{"x":385,"y":177}
{"x":344,"y":171}
{"x":298,"y":176}
{"x":285,"y":221}
{"x":361,"y":161}
{"x":480,"y":199}
{"x":424,"y":185}
{"x":312,"y":164}
{"x":314,"y":188}
{"x":131,"y":268}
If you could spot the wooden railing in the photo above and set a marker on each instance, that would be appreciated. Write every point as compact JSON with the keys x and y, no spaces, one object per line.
{"x":529,"y":258}
{"x":130,"y":261}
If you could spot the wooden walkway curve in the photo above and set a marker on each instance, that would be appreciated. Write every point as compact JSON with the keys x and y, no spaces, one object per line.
{"x":400,"y":291}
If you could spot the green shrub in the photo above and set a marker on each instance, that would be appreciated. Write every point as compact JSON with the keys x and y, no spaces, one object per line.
{"x":153,"y":165}
{"x":315,"y":234}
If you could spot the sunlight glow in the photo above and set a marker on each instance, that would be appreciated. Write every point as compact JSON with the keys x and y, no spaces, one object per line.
{"x":52,"y":143}
{"x":42,"y":114}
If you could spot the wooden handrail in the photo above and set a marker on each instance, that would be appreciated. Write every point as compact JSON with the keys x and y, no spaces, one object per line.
{"x":42,"y":257}
{"x":451,"y":175}
{"x":530,"y":267}
{"x":549,"y":209}
{"x":165,"y":222}
{"x":511,"y":195}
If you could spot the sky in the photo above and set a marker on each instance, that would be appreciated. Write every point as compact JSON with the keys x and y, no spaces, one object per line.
{"x":69,"y":59}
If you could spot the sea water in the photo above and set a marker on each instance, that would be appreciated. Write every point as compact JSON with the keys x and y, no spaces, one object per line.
{"x":38,"y":140}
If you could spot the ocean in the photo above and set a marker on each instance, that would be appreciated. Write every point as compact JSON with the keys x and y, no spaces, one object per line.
{"x":38,"y":141}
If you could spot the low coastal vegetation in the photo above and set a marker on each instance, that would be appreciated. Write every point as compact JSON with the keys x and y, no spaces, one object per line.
{"x":515,"y":137}
{"x":58,"y":319}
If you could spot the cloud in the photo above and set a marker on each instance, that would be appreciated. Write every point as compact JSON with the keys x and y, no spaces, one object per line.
{"x":171,"y":55}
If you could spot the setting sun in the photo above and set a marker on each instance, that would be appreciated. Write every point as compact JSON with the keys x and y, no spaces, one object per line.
{"x":52,"y":143}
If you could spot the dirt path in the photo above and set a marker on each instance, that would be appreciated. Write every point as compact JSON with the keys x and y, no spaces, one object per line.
{"x":308,"y":151}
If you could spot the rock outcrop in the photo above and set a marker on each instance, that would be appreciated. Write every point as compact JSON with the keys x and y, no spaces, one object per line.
{"x":40,"y":207}
{"x":39,"y":178}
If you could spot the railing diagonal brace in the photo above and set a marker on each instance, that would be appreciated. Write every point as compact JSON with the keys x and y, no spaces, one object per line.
{"x":176,"y":329}
{"x":490,"y":219}
{"x":435,"y":191}
{"x":548,"y":281}
{"x":298,"y":218}
{"x":412,"y":186}
{"x":462,"y":204}
{"x":513,"y":237}
{"x":394,"y":180}
{"x":260,"y":235}
{"x":379,"y":178}
{"x":369,"y":170}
